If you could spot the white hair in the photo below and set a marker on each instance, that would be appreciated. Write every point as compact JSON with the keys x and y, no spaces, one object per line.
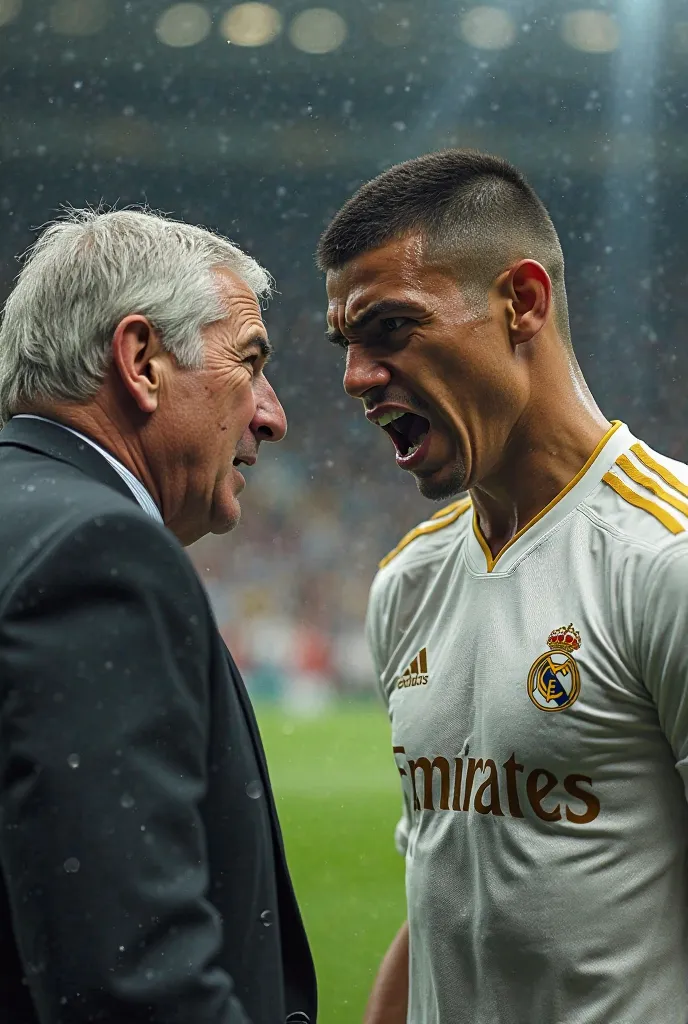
{"x":90,"y":269}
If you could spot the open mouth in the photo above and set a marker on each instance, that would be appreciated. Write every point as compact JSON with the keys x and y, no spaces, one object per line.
{"x":410,"y":434}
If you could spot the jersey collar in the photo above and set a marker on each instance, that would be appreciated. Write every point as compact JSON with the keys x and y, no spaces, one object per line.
{"x":617,"y":439}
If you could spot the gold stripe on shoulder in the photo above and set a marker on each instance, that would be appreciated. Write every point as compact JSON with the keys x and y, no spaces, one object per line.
{"x":449,"y":515}
{"x":633,"y":498}
{"x":666,"y":474}
{"x":632,"y":471}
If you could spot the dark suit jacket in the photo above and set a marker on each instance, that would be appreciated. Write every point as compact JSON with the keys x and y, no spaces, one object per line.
{"x":142,"y":872}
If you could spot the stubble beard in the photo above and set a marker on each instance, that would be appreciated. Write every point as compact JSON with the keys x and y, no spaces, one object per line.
{"x":446,"y":486}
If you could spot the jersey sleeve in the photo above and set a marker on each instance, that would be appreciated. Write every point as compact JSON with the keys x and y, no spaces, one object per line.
{"x":377,"y":633}
{"x":663,"y":646}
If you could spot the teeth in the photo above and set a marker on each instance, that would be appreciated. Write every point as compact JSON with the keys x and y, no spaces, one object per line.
{"x":414,"y":448}
{"x":389,"y":417}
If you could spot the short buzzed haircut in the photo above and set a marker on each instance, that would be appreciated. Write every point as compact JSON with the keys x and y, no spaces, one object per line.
{"x":477,"y":213}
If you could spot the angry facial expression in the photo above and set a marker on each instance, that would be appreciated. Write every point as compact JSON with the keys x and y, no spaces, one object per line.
{"x":432,"y":367}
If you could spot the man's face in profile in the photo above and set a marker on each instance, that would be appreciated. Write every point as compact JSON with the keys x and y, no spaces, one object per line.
{"x":216,"y":417}
{"x":420,"y":357}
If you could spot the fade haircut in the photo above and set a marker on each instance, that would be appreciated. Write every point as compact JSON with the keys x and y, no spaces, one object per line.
{"x":477,"y":215}
{"x":90,"y":269}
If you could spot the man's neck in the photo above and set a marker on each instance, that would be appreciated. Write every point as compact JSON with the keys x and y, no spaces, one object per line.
{"x":539,"y":461}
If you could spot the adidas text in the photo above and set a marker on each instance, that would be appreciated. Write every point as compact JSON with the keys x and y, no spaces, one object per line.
{"x":415,"y":680}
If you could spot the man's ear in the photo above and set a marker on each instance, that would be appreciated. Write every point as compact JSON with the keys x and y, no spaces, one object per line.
{"x":528,"y":290}
{"x":137,"y":355}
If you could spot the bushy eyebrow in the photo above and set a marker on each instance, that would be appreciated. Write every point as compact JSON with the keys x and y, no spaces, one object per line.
{"x":335,"y":337}
{"x":385,"y":307}
{"x":261,"y":342}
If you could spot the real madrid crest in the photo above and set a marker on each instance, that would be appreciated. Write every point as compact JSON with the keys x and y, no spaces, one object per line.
{"x":554,"y":679}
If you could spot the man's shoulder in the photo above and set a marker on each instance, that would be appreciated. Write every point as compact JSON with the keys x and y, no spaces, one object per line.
{"x":41,"y":496}
{"x":642,"y":499}
{"x":86,"y":533}
{"x":430,"y":539}
{"x":115,"y":558}
{"x":36,"y":489}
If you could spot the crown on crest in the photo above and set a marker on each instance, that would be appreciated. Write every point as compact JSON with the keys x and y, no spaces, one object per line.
{"x":564,"y":639}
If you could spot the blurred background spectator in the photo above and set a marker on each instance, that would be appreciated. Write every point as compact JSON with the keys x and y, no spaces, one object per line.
{"x":258,"y":120}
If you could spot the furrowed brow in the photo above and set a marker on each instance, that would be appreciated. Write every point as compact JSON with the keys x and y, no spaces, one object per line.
{"x":261,"y":342}
{"x":385,"y":307}
{"x":335,"y":337}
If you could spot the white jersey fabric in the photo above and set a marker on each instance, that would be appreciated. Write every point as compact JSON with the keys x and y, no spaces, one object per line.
{"x":539,"y":711}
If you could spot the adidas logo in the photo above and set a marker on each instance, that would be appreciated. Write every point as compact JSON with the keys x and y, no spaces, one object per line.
{"x":417,"y":672}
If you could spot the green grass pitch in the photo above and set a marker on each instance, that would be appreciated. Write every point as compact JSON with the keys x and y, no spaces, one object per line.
{"x":339,"y":798}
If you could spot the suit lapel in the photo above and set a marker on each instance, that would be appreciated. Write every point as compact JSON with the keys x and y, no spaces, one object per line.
{"x":301,"y":960}
{"x":50,"y":438}
{"x":250,"y":717}
{"x":252,"y":724}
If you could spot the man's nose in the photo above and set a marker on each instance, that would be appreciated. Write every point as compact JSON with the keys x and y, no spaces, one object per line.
{"x":269,"y":422}
{"x":363,"y":373}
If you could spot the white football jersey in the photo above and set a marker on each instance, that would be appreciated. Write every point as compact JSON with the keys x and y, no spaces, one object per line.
{"x":539,"y":711}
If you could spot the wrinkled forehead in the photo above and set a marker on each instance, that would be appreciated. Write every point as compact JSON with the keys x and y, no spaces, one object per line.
{"x":234,"y":291}
{"x":242,"y":308}
{"x":394,"y":271}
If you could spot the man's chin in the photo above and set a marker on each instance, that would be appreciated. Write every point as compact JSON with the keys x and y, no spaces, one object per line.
{"x":226,"y":512}
{"x":443,"y":484}
{"x":225,"y":521}
{"x":220,"y":527}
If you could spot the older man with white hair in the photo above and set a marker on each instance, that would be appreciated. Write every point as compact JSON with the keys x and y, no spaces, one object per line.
{"x":142,"y":871}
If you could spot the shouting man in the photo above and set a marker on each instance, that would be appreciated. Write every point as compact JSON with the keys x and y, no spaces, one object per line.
{"x":531,"y":640}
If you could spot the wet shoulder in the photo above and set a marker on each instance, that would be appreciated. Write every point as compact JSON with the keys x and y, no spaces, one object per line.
{"x":431,"y":538}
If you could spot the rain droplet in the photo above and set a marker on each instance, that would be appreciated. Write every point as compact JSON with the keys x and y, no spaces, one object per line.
{"x":266,"y":918}
{"x":254,"y":790}
{"x":71,"y":865}
{"x":73,"y":760}
{"x":127,"y":800}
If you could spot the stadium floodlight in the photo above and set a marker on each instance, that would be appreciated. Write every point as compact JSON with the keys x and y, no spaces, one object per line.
{"x":590,"y":31}
{"x":251,"y":24}
{"x":318,"y":30}
{"x":183,"y":25}
{"x":488,"y":28}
